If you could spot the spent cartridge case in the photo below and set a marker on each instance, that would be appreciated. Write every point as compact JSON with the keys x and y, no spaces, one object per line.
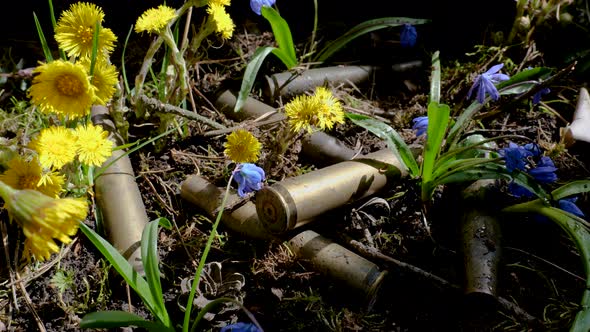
{"x":208,"y":197}
{"x":333,"y":260}
{"x":295,"y":201}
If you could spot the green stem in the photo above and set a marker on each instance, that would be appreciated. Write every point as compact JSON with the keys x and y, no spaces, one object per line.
{"x":179,"y":63}
{"x":195,"y":285}
{"x":145,"y":66}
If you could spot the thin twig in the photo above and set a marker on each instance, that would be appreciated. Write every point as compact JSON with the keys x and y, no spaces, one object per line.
{"x":234,"y":128}
{"x":30,"y":305}
{"x":374,"y":253}
{"x":158,"y":106}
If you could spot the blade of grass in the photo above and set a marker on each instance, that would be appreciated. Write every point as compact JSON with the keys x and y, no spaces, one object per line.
{"x":122,"y":266}
{"x":250,"y":75}
{"x":42,"y":40}
{"x":149,"y":258}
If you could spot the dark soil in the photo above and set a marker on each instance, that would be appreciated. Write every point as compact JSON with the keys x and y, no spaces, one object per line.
{"x":540,"y":271}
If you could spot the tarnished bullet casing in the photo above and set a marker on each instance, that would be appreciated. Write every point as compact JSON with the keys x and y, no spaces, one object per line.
{"x":289,"y":85}
{"x":293,"y":202}
{"x":335,"y":261}
{"x":208,"y":197}
{"x":480,"y":237}
{"x":118,"y":197}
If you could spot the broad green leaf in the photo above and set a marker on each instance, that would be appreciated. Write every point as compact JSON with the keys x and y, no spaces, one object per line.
{"x":533,"y":74}
{"x":571,"y":188}
{"x":135,"y":281}
{"x":117,"y":318}
{"x":361,"y":29}
{"x":435,"y":78}
{"x":149,"y":258}
{"x":517,"y":88}
{"x":438,"y":120}
{"x":282,"y":34}
{"x":395,"y":142}
{"x":250,"y":75}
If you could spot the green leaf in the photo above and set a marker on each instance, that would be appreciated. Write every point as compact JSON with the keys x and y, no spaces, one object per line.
{"x":533,"y":74}
{"x":117,"y":318}
{"x":461,"y":123}
{"x":517,"y":88}
{"x":438,"y":120}
{"x":395,"y":142}
{"x":282,"y":34}
{"x":571,"y":188}
{"x":149,"y":258}
{"x":250,"y":75}
{"x":435,"y":78}
{"x":361,"y":29}
{"x":581,"y":238}
{"x":135,"y":281}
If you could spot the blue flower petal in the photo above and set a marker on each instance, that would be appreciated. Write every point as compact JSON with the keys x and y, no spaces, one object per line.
{"x":537,"y":97}
{"x":240,"y":327}
{"x":569,"y":205}
{"x":408,"y":36}
{"x":256,"y":5}
{"x":485,"y":84}
{"x":249,"y":178}
{"x":519,"y":191}
{"x":421,"y":125}
{"x":515,"y":156}
{"x":494,"y":69}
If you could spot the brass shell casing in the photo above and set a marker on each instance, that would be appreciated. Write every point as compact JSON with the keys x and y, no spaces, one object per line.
{"x":119,"y":199}
{"x":293,"y":202}
{"x":208,"y":197}
{"x":289,"y":85}
{"x":335,"y":261}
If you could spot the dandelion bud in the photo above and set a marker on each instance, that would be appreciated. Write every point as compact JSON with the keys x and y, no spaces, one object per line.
{"x":43,"y":218}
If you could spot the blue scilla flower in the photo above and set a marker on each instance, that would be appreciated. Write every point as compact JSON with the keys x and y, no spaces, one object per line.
{"x":256,"y":5}
{"x":240,"y":327}
{"x":515,"y":156}
{"x":420,"y":124}
{"x":408,"y":35}
{"x":249,"y":178}
{"x":569,"y":205}
{"x":533,"y":148}
{"x":545,"y":171}
{"x":484,"y":84}
{"x":537,"y":97}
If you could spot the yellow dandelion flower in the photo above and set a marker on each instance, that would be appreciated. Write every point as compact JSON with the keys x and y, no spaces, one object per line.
{"x":75,"y":29}
{"x":62,"y":87}
{"x":55,"y":146}
{"x":242,"y":147}
{"x":302,"y":112}
{"x":43,"y":219}
{"x":332,"y":112}
{"x":104,"y":79}
{"x":92,"y":145}
{"x":321,"y":110}
{"x":24,"y":174}
{"x":154,"y":20}
{"x":220,"y":2}
{"x":221,"y":19}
